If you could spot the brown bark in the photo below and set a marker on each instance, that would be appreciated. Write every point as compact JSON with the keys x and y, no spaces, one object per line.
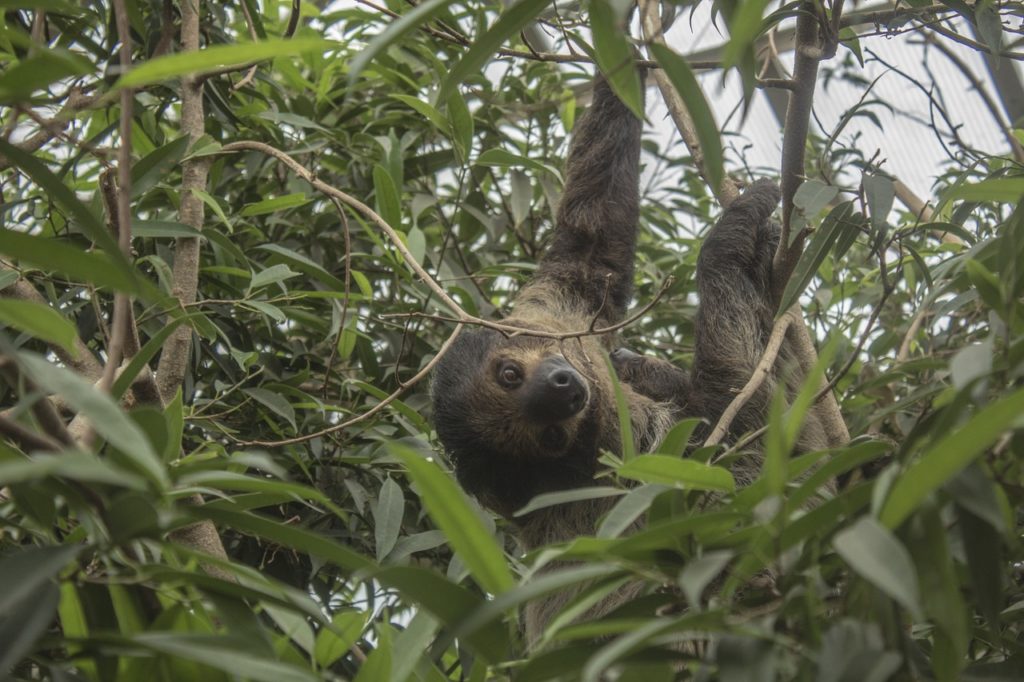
{"x":175,"y":356}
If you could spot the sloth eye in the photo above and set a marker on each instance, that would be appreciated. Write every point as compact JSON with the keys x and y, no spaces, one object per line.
{"x":509,"y":375}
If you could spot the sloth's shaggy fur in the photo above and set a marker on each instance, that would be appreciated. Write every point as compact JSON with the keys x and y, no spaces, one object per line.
{"x":505,"y":451}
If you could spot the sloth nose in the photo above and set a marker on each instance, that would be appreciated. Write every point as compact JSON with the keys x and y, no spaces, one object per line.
{"x":561,"y":392}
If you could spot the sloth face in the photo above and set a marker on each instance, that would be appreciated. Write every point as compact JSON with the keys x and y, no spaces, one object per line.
{"x":516,"y":416}
{"x":518,"y":397}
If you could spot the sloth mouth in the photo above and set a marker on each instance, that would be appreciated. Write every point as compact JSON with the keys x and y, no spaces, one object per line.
{"x":553,"y":438}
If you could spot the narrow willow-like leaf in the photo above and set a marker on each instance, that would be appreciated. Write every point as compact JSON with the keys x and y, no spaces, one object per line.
{"x":223,"y":653}
{"x":993,"y":189}
{"x":946,"y":458}
{"x":276,"y":204}
{"x":218,"y":57}
{"x":679,"y":472}
{"x":572,"y":495}
{"x":53,"y":255}
{"x":450,"y":510}
{"x":452,"y":604}
{"x":287,"y":535}
{"x":418,"y":16}
{"x":506,"y":159}
{"x":387,"y":515}
{"x":24,"y":572}
{"x":66,"y":199}
{"x":615,"y":55}
{"x":686,"y":85}
{"x":881,"y":559}
{"x":813,"y":256}
{"x":39,"y":320}
{"x":511,"y":22}
{"x":105,"y":416}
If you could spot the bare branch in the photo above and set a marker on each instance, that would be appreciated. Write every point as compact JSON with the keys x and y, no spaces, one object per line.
{"x":53,"y":127}
{"x":26,"y":438}
{"x":419,"y":376}
{"x":81,"y":358}
{"x":809,"y":53}
{"x":798,"y":115}
{"x":761,"y":372}
{"x":122,"y":303}
{"x":650,"y":19}
{"x":174,"y":358}
{"x":293,"y":23}
{"x":993,"y":109}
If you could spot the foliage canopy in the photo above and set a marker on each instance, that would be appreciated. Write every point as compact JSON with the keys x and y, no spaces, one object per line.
{"x":269,"y":394}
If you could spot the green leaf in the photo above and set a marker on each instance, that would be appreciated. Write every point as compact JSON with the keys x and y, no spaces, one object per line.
{"x":627,"y":510}
{"x":38,"y":71}
{"x":388,"y":203}
{"x":1007,"y":190}
{"x":53,"y":255}
{"x":39,"y":320}
{"x":545,"y":500}
{"x":277,"y":403}
{"x":683,"y":473}
{"x":66,"y":199}
{"x":875,"y":553}
{"x":990,"y":25}
{"x":426,"y":110}
{"x":147,"y":353}
{"x":450,"y":510}
{"x":418,"y":16}
{"x":452,"y":604}
{"x":812,"y":196}
{"x":387,"y":516}
{"x":880,"y":192}
{"x":511,"y":22}
{"x":276,"y":204}
{"x":155,"y":166}
{"x":686,"y":85}
{"x":288,"y":535}
{"x":215,"y":207}
{"x":506,"y":159}
{"x":76,"y":466}
{"x":814,"y":255}
{"x":218,"y":57}
{"x":105,"y":416}
{"x":950,"y":455}
{"x":744,"y":26}
{"x":983,"y":549}
{"x":334,"y":642}
{"x":987,"y":284}
{"x":677,"y":440}
{"x":223,"y":653}
{"x":699,"y":573}
{"x":461,"y":123}
{"x":626,"y":441}
{"x":25,"y":572}
{"x":25,"y":622}
{"x":272,"y":275}
{"x":614,"y":54}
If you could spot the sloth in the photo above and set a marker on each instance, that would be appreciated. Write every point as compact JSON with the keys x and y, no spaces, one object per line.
{"x":522,"y":415}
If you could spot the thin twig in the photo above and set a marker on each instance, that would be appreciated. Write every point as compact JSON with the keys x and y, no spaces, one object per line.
{"x":513,"y":331}
{"x":650,"y":19}
{"x":26,"y":438}
{"x":993,"y":109}
{"x":347,"y":236}
{"x":293,"y":22}
{"x":373,"y":410}
{"x":761,"y":372}
{"x":174,"y":357}
{"x":122,"y":303}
